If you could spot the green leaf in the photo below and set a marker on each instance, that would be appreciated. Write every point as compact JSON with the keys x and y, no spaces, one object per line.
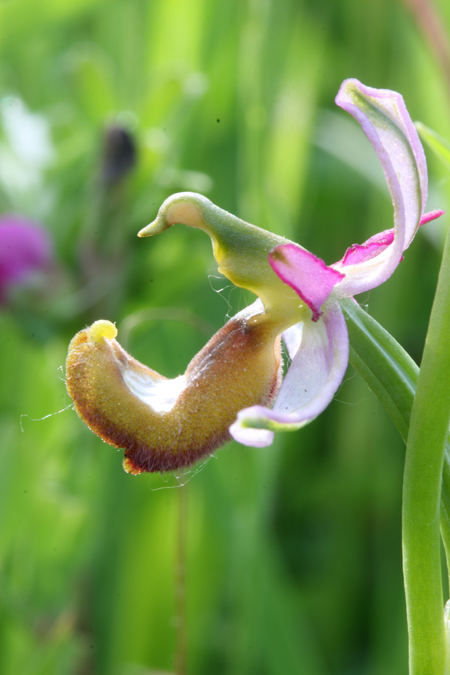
{"x":435,"y":142}
{"x":387,"y":368}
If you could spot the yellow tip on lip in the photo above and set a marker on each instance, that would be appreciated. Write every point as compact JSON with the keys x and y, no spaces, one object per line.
{"x":101,"y":329}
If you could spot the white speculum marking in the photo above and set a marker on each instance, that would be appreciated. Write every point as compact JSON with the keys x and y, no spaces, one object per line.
{"x":159,"y":395}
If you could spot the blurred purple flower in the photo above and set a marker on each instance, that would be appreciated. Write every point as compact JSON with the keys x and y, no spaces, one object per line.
{"x":26,"y":248}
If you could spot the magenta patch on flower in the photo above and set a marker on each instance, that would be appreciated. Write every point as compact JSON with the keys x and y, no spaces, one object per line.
{"x":431,"y":215}
{"x":308,"y":275}
{"x":359,"y":253}
{"x":25,"y":248}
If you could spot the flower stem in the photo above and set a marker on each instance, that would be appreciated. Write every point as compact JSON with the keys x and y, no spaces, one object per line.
{"x":425,"y":454}
{"x":180,"y":583}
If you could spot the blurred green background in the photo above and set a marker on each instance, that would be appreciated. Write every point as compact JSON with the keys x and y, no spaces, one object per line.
{"x":293,"y":552}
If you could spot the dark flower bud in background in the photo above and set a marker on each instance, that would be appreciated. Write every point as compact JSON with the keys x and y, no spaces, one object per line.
{"x":119,"y":154}
{"x":26,"y":250}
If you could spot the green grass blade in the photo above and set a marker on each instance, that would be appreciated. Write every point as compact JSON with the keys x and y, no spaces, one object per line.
{"x":435,"y":142}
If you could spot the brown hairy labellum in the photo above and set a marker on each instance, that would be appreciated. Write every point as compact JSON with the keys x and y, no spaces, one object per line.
{"x":167,"y":424}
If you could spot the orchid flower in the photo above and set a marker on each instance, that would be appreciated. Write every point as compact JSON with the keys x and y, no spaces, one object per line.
{"x":229,"y":387}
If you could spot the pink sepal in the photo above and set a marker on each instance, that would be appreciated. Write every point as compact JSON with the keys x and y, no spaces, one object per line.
{"x":358,"y":253}
{"x":308,"y":275}
{"x":431,"y":215}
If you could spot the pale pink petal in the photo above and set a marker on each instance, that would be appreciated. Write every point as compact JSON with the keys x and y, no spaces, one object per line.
{"x":308,"y":275}
{"x":385,"y":121}
{"x":245,"y":429}
{"x":311,"y":382}
{"x":292,"y":338}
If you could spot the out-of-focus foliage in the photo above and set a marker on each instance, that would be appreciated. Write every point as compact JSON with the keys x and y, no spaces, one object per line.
{"x":293,"y":552}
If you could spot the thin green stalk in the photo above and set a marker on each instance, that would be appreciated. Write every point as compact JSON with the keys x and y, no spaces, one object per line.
{"x":180,"y":583}
{"x":424,"y":462}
